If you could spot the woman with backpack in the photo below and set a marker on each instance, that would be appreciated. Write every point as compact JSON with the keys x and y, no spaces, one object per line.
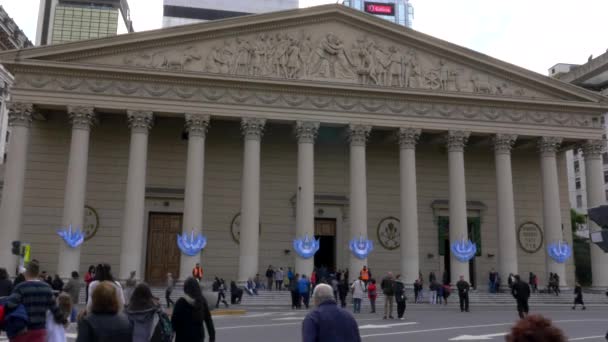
{"x":372,"y":294}
{"x":149,"y":321}
{"x":189,"y":314}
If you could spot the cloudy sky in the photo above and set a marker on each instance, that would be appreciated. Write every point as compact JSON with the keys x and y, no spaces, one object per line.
{"x":534,"y":34}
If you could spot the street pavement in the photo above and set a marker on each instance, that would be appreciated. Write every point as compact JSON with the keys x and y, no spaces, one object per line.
{"x":423,"y":323}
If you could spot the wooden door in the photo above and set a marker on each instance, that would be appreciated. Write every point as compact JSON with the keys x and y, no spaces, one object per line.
{"x":163,"y":254}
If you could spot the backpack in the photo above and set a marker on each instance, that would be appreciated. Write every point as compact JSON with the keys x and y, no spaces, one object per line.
{"x":164,"y":330}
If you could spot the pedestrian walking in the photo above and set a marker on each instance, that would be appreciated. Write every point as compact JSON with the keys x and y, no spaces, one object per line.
{"x":432,"y":277}
{"x":492,"y":283}
{"x":358,"y":290}
{"x":190,"y":313}
{"x":57,"y":284}
{"x":556,"y":284}
{"x":6,"y":286}
{"x":433,"y":292}
{"x":88,"y":279}
{"x":446,"y":293}
{"x":197,"y":272}
{"x":578,"y":291}
{"x":56,"y":332}
{"x":439,"y":293}
{"x":372,"y":294}
{"x":400,"y":296}
{"x":104,"y":273}
{"x":521,"y":292}
{"x":36,"y":296}
{"x":510,"y":280}
{"x":72,"y":288}
{"x":417,"y":289}
{"x":365,"y":275}
{"x":343,"y":292}
{"x":388,"y":288}
{"x":169,"y":290}
{"x":463,"y":294}
{"x":334,"y":285}
{"x":327,"y":322}
{"x":304,"y":290}
{"x":269,"y":277}
{"x":150,"y":323}
{"x":278,"y":279}
{"x":104,"y":320}
{"x":221,"y":293}
{"x":295,"y":295}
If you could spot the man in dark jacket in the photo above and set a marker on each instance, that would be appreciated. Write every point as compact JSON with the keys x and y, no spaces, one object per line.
{"x":463,"y":294}
{"x":327,"y":322}
{"x":388,"y":288}
{"x":521,"y":292}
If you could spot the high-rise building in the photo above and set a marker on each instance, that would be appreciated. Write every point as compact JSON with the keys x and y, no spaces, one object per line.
{"x":182,"y":12}
{"x":400,"y":12}
{"x":61,"y":21}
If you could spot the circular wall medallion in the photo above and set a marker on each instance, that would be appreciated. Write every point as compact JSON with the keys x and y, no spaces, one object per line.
{"x":389,"y":233}
{"x":91,"y":222}
{"x":530,"y":237}
{"x":235,"y":228}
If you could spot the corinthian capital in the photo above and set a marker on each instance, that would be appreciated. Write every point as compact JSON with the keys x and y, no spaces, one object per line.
{"x":307,"y":131}
{"x":82,"y":117}
{"x":457,"y":140}
{"x":408,"y":137}
{"x":503,"y":143}
{"x":140,"y":121}
{"x":253,"y":128}
{"x":197,"y":124}
{"x":358,"y":134}
{"x":593,"y":149}
{"x":20,"y":114}
{"x":549,"y":145}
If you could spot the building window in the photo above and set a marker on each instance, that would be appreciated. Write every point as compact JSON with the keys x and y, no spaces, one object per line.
{"x":605,"y":176}
{"x":605,"y":158}
{"x":577,"y":167}
{"x":577,"y":182}
{"x":606,"y":195}
{"x":579,"y":201}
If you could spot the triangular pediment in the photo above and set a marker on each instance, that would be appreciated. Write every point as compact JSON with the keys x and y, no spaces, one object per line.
{"x":322,"y":44}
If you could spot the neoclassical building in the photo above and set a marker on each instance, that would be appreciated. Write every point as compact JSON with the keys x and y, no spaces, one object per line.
{"x":262,"y":129}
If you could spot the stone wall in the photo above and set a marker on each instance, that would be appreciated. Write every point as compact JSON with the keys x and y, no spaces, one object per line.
{"x":46,"y":172}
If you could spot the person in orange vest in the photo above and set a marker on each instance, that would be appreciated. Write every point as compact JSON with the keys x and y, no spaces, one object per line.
{"x":365,"y":275}
{"x":197,"y":272}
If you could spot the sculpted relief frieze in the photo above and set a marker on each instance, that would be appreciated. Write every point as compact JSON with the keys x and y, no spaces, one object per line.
{"x":329,"y":52}
{"x":284,"y":99}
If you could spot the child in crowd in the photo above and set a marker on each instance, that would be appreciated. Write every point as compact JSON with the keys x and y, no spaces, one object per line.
{"x":56,"y":332}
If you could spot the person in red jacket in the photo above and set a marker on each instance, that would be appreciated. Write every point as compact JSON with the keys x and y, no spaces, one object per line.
{"x":197,"y":272}
{"x":88,"y":279}
{"x":372,"y":294}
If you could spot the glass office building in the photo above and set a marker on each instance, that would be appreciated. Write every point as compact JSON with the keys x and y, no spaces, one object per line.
{"x":400,"y":12}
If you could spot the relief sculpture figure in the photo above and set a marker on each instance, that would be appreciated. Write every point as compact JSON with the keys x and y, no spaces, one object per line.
{"x":241,"y":65}
{"x":331,"y":60}
{"x":395,"y":68}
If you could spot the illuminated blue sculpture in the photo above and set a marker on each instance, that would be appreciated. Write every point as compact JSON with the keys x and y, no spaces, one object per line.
{"x":72,"y":238}
{"x":306,"y":247}
{"x":464,"y":250}
{"x":361,"y":247}
{"x":190,"y":244}
{"x":559,"y":251}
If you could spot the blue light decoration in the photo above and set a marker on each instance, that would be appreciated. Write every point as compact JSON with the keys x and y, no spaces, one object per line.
{"x":72,"y":238}
{"x":559,"y":251}
{"x":361,"y":247}
{"x":191,"y":244}
{"x":463,"y":250}
{"x":306,"y":246}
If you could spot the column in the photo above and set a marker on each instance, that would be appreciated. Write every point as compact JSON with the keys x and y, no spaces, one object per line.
{"x":456,"y":142}
{"x":11,"y":208}
{"x":552,"y":219}
{"x":410,"y":264}
{"x":132,"y":244}
{"x":196,"y":125}
{"x":82,"y":119}
{"x":249,"y":241}
{"x":507,"y":236}
{"x":594,"y":175}
{"x":306,"y":133}
{"x":358,"y":135}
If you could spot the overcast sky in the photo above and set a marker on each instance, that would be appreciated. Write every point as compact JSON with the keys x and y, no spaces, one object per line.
{"x":534,"y":34}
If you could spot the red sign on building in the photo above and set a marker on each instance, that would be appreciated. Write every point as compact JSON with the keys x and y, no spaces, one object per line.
{"x":379,"y":8}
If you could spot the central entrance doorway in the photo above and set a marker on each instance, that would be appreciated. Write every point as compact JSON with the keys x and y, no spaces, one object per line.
{"x":163,"y":255}
{"x":474,"y":233}
{"x":325,"y":231}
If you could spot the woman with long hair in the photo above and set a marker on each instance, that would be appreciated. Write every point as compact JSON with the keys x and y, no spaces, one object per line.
{"x":189,"y":314}
{"x":88,"y":279}
{"x":103,"y":272}
{"x":149,"y":322}
{"x":6,"y":285}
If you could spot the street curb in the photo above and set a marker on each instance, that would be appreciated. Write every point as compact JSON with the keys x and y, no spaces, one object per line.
{"x":228,"y":312}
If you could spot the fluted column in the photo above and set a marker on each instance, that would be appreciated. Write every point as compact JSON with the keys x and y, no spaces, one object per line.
{"x":507,"y":236}
{"x":552,"y":219}
{"x":249,"y":242}
{"x":131,"y":256}
{"x":410,"y":265}
{"x":456,"y":141}
{"x":196,"y":125}
{"x":305,"y":201}
{"x":594,"y":175}
{"x":82,"y":119}
{"x":358,"y":135}
{"x":11,"y":208}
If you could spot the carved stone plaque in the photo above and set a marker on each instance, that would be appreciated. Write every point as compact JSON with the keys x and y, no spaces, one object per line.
{"x":530,"y":237}
{"x":235,"y":228}
{"x":389,"y":234}
{"x":91,"y":222}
